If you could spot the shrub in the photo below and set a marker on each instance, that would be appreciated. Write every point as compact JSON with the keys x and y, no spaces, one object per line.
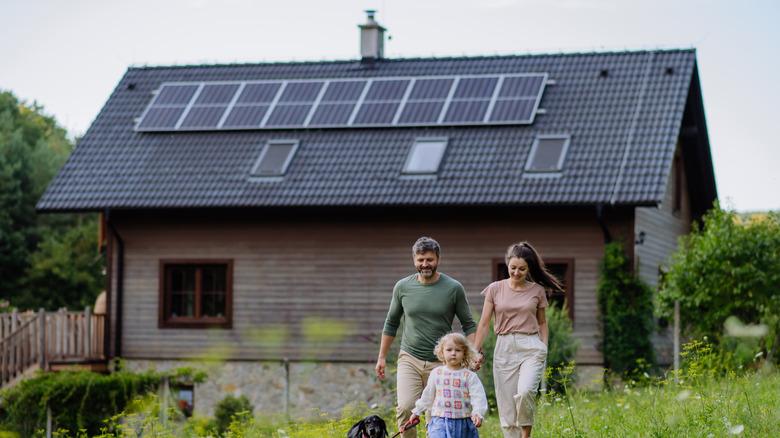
{"x":77,"y":399}
{"x":229,"y":408}
{"x":626,"y":312}
{"x":730,"y":266}
{"x":562,"y":346}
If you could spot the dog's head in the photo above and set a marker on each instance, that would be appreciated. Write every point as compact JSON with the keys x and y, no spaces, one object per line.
{"x":372,"y":426}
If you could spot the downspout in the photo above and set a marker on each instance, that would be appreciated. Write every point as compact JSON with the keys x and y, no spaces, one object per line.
{"x":120,"y":276}
{"x":607,"y":240}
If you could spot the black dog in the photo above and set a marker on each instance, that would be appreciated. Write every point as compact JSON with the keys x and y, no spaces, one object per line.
{"x":369,"y":427}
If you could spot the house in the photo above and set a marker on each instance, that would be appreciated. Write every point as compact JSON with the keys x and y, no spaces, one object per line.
{"x":261,"y":213}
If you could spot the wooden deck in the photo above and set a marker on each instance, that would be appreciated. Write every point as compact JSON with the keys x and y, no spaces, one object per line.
{"x":49,"y":341}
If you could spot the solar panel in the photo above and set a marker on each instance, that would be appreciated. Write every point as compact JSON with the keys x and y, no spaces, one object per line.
{"x":175,"y":94}
{"x":467,"y":111}
{"x":376,"y":113}
{"x":157,"y":118}
{"x":382,"y":90}
{"x":343,"y":91}
{"x":289,"y":115}
{"x":431,"y":89}
{"x":421,"y":112}
{"x":245,"y":116}
{"x":216,"y":94}
{"x":341,"y":103}
{"x":515,"y":109}
{"x":475,"y":88}
{"x":203,"y":117}
{"x":332,"y":114}
{"x":259,"y":93}
{"x":301,"y":91}
{"x":522,"y":86}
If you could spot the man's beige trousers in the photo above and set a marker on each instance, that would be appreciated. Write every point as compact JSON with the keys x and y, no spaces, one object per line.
{"x":412,"y":376}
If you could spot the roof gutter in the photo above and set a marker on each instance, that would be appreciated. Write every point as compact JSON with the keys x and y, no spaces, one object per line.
{"x":120,"y":274}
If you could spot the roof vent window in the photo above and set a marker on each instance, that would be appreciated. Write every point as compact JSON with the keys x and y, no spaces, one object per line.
{"x":275,"y":158}
{"x":425,"y":156}
{"x":547,"y":154}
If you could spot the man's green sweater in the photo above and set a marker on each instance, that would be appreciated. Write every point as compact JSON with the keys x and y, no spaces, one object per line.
{"x":428,"y":311}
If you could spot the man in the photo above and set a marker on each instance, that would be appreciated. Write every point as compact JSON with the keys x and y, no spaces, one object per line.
{"x":428,"y":301}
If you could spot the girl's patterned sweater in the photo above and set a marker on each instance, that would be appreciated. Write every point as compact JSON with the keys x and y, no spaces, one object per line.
{"x":452,"y":394}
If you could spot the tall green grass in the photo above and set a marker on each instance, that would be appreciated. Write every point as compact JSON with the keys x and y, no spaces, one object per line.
{"x":699,"y":406}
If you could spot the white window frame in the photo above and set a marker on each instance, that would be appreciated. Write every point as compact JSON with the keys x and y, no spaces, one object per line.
{"x":253,"y":173}
{"x":531,"y":155}
{"x":418,"y":141}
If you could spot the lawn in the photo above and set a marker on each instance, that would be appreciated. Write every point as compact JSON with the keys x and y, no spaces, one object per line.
{"x":741,"y":406}
{"x":747,"y":405}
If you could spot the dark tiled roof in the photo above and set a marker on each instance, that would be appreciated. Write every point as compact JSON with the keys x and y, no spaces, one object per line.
{"x":623,"y":129}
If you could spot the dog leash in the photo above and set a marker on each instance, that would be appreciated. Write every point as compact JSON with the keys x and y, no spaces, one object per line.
{"x":407,"y":425}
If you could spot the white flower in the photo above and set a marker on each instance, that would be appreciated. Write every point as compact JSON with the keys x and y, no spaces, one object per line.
{"x":683,"y":395}
{"x":736,"y":430}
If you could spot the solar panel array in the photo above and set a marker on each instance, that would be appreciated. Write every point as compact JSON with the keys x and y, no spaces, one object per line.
{"x":340,"y":103}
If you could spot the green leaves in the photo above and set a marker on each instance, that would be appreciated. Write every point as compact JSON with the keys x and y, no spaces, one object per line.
{"x":730,"y":266}
{"x":45,"y":260}
{"x":626,"y":310}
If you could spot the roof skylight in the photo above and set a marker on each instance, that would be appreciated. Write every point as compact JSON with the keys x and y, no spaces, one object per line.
{"x":275,"y":158}
{"x":548,"y":153}
{"x":425,"y":156}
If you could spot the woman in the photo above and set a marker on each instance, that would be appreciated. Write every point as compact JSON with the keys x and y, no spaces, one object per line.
{"x":521,"y":328}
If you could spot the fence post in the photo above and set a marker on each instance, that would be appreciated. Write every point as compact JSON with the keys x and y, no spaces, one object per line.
{"x":677,"y":341}
{"x":88,"y":332}
{"x":42,"y":339}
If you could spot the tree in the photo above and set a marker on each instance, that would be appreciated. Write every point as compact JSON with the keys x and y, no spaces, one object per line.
{"x":626,"y":309}
{"x":729,"y":266}
{"x":32,"y":148}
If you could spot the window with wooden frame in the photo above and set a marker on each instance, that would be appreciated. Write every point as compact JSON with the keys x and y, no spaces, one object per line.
{"x":562,"y":268}
{"x":196,"y":293}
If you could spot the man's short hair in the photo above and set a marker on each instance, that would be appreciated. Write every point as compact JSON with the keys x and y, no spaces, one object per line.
{"x":425,"y":244}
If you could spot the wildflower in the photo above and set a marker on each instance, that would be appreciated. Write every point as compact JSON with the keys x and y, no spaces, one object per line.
{"x":683,"y":395}
{"x":736,"y":430}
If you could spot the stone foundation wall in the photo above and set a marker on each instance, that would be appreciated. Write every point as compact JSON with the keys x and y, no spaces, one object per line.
{"x":302,"y":390}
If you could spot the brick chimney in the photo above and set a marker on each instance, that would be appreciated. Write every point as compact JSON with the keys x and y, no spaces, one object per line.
{"x":372,"y":39}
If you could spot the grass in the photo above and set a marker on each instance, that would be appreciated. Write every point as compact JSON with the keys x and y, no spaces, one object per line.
{"x":747,"y":405}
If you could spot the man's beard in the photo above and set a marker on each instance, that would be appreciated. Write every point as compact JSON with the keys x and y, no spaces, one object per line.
{"x":426,"y":275}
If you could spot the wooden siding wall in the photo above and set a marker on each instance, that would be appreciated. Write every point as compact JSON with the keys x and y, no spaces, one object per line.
{"x":321,"y":289}
{"x":662,"y":227}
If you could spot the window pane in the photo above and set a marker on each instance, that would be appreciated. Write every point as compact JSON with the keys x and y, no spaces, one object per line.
{"x":182,"y":284}
{"x":547,"y":154}
{"x":214,"y":284}
{"x":274,"y":159}
{"x":425,"y":156}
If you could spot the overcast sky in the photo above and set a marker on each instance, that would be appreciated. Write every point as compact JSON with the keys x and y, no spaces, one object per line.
{"x":69,"y":55}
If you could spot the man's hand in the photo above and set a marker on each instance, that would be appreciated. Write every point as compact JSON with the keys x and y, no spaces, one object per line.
{"x":476,"y":419}
{"x":380,"y":368}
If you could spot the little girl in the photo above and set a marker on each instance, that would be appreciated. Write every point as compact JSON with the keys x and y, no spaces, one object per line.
{"x":454,"y":395}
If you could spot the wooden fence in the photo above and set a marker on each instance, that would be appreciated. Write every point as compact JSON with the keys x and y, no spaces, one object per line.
{"x":37,"y":339}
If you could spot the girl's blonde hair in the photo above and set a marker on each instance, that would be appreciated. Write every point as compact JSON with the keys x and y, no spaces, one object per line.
{"x":469,"y":353}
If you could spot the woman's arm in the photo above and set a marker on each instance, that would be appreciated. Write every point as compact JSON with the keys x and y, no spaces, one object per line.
{"x":484,"y":324}
{"x":542,"y":319}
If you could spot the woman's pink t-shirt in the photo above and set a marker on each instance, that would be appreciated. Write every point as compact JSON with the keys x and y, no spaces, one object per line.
{"x":515,"y":309}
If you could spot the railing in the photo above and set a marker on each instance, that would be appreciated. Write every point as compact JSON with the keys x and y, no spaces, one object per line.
{"x":40,"y":338}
